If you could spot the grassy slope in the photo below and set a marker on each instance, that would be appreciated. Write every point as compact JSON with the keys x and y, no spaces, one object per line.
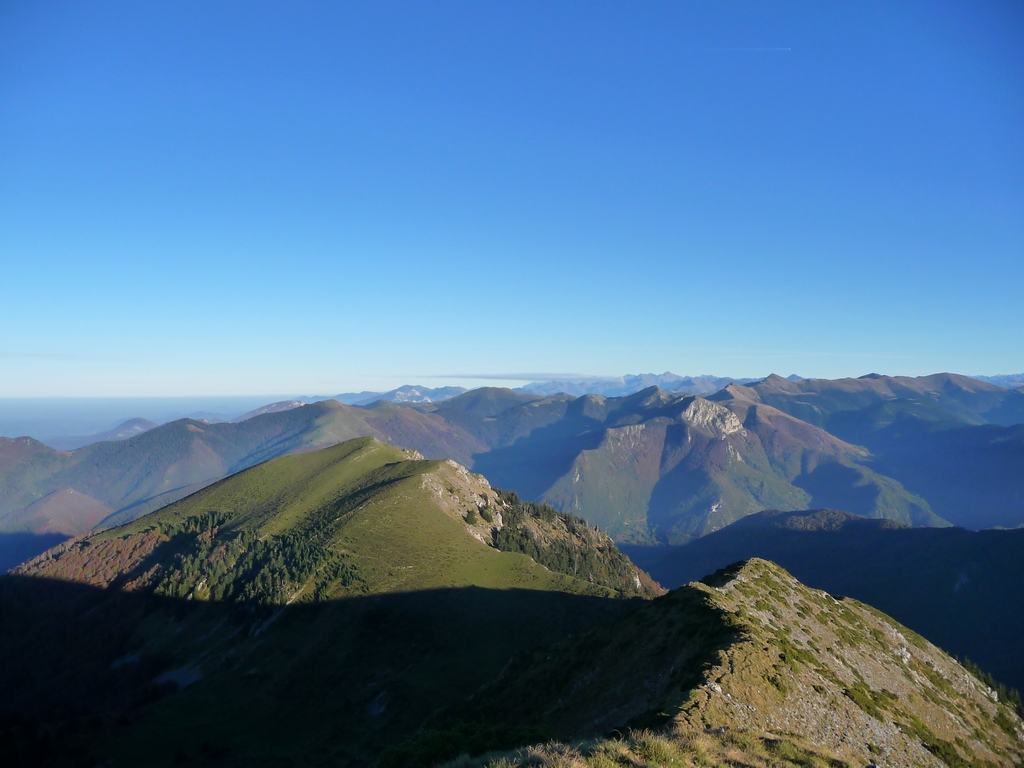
{"x":370,"y":502}
{"x":943,"y":583}
{"x":759,"y":655}
{"x":144,"y":473}
{"x":536,"y":446}
{"x":433,"y":614}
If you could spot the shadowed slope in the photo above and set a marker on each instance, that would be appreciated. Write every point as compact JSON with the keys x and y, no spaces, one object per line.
{"x":358,"y":517}
{"x":660,"y":466}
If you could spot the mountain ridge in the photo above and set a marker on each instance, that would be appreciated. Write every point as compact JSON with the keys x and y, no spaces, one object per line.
{"x":917,"y":450}
{"x":747,"y":659}
{"x":964,"y":590}
{"x":419,"y":578}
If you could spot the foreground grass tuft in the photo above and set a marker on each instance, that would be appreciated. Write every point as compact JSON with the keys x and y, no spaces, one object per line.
{"x":650,"y":749}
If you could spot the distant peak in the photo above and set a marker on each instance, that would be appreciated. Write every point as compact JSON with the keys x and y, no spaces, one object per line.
{"x":328,"y":405}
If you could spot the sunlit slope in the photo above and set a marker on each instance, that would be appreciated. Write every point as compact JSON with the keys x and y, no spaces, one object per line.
{"x":383,"y":518}
{"x":136,"y":476}
{"x":758,"y":669}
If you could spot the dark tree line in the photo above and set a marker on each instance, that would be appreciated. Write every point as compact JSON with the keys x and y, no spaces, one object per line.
{"x":243,"y":567}
{"x":574,"y":547}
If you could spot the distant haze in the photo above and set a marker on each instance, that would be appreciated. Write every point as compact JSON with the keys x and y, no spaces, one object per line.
{"x":45,"y":417}
{"x":59,"y":417}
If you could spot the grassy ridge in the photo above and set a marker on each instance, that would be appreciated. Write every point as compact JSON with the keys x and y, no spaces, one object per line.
{"x":358,"y":583}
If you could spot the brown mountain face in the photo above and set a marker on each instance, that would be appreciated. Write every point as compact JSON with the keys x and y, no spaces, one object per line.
{"x":650,"y":466}
{"x":956,"y":442}
{"x":656,"y":465}
{"x":64,"y":512}
{"x":645,"y":467}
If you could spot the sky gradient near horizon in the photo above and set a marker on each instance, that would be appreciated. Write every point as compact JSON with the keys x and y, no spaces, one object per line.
{"x":250,"y":198}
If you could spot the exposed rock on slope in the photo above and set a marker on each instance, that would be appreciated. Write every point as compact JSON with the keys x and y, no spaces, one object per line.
{"x":962,"y":589}
{"x":652,"y":465}
{"x":374,"y":506}
{"x":671,"y":468}
{"x":755,"y":651}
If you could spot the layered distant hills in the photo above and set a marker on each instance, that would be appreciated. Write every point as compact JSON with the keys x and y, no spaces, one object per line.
{"x":627,"y":385}
{"x":123,"y":431}
{"x":655,"y":466}
{"x":650,"y":467}
{"x":47,"y":491}
{"x":1009,"y":380}
{"x":409,"y":393}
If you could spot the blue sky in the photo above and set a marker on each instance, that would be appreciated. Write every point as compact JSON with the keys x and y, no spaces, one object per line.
{"x":253,"y":198}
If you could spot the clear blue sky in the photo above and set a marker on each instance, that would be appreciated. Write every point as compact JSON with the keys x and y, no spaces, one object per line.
{"x":205,"y":198}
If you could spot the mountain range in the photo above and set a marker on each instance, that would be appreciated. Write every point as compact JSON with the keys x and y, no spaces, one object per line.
{"x":649,"y":467}
{"x":957,"y":442}
{"x":1010,"y":381}
{"x":627,"y":385}
{"x":359,"y":605}
{"x":123,"y":431}
{"x":409,"y":393}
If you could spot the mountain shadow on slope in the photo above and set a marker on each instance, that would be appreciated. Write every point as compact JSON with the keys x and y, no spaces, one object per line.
{"x":973,"y":476}
{"x":302,"y":599}
{"x":133,"y":678}
{"x":16,"y":548}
